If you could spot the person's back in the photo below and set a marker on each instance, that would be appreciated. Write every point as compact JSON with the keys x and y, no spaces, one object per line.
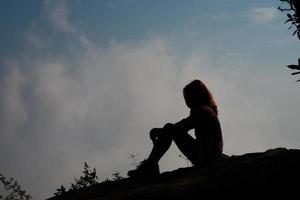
{"x":208,"y":133}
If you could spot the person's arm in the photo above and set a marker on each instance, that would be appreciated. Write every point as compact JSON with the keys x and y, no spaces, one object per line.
{"x":196,"y":119}
{"x":186,"y":124}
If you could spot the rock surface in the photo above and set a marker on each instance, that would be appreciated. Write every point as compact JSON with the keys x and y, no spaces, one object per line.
{"x":271,"y":173}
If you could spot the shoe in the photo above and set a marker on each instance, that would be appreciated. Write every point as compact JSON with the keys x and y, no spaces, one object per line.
{"x":145,"y":169}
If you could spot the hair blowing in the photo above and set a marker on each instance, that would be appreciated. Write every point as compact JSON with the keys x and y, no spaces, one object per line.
{"x":196,"y":94}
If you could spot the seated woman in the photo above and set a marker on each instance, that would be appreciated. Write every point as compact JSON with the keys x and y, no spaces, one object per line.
{"x":203,"y":118}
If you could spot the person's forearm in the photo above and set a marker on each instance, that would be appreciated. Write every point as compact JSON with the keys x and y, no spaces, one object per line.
{"x":184,"y":124}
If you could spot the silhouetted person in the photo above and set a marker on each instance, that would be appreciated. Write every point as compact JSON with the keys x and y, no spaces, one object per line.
{"x":203,"y":118}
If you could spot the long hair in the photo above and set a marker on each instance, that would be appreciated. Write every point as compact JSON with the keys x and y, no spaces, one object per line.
{"x":196,"y":94}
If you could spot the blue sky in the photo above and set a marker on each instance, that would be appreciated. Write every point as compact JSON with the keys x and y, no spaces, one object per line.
{"x":221,"y":25}
{"x":85,"y":81}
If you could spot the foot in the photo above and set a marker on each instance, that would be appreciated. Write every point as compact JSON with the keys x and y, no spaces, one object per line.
{"x":145,"y":169}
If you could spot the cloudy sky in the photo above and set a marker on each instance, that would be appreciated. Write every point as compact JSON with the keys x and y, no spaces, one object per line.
{"x":85,"y":81}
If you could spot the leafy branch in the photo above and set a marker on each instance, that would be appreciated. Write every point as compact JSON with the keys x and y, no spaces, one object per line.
{"x":295,"y":67}
{"x":13,"y":189}
{"x":88,"y":178}
{"x":292,"y":7}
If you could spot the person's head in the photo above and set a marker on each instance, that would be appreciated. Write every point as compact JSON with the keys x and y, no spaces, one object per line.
{"x":196,"y":94}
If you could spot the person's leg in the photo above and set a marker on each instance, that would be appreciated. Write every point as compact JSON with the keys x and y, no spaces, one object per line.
{"x":187,"y":145}
{"x":149,"y":167}
{"x":160,"y":146}
{"x":161,"y":143}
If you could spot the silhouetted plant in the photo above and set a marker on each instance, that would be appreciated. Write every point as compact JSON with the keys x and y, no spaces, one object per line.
{"x":133,"y":159}
{"x":116,"y":176}
{"x":295,"y":67}
{"x":89,"y":177}
{"x":187,"y":160}
{"x":292,"y":7}
{"x":60,"y":190}
{"x":12,"y":189}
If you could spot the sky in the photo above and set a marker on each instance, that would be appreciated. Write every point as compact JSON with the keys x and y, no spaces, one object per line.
{"x":85,"y":81}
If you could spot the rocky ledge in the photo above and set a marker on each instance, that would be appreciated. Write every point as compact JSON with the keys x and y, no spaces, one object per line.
{"x":271,"y":173}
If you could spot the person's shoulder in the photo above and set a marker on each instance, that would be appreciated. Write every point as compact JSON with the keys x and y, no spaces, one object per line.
{"x":207,"y":109}
{"x":204,"y":111}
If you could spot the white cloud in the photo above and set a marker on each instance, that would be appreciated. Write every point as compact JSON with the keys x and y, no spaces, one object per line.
{"x":262,"y":14}
{"x":220,"y":16}
{"x":34,"y":39}
{"x":57,"y":13}
{"x":101,"y":110}
{"x":13,"y":114}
